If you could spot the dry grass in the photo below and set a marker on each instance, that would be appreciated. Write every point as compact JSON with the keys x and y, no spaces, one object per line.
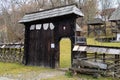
{"x":14,"y":68}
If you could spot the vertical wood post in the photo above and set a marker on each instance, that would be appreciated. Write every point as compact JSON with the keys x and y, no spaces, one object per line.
{"x":104,"y":57}
{"x":116,"y":59}
{"x":95,"y":56}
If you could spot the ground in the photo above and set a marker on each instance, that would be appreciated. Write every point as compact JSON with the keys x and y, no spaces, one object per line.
{"x":16,"y":71}
{"x":32,"y":75}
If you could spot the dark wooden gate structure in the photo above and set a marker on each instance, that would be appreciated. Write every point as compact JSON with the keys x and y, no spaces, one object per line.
{"x":43,"y":31}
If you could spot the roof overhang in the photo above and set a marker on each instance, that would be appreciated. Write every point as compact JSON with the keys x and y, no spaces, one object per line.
{"x":96,"y":21}
{"x":52,"y":13}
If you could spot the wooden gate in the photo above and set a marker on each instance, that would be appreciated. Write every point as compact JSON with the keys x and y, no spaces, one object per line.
{"x":43,"y":31}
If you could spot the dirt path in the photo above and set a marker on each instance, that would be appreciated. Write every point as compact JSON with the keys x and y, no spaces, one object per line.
{"x":32,"y":75}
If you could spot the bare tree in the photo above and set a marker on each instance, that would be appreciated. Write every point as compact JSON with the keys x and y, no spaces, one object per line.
{"x":106,"y":4}
{"x":55,"y":3}
{"x":89,"y":8}
{"x":16,"y":9}
{"x":10,"y":16}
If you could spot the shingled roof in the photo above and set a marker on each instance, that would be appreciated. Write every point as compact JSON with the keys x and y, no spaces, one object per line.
{"x":107,"y":12}
{"x":115,"y":15}
{"x":50,"y":13}
{"x":96,"y":21}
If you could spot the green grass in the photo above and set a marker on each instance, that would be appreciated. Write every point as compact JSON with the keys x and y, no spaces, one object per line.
{"x":14,"y":68}
{"x":92,"y":41}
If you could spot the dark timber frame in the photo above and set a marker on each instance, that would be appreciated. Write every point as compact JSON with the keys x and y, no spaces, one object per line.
{"x":41,"y":46}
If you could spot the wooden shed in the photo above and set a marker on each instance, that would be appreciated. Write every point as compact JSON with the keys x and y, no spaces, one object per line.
{"x":97,"y":26}
{"x":115,"y":18}
{"x":43,"y":31}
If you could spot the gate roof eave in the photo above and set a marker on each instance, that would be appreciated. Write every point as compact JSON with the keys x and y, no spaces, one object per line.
{"x":52,"y":13}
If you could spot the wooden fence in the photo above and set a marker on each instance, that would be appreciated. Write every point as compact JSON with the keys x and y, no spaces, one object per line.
{"x":11,"y":52}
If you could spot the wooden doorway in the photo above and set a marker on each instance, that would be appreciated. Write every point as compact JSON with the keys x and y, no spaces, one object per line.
{"x":65,"y":53}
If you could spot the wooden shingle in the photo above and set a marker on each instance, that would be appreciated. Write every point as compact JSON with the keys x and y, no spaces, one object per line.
{"x":95,"y":21}
{"x":50,"y":13}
